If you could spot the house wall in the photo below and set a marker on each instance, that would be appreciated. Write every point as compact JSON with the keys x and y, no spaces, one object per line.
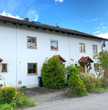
{"x":106,"y":47}
{"x":14,"y":51}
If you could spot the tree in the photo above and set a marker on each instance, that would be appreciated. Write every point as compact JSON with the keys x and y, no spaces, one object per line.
{"x":53,"y":73}
{"x":103,"y":59}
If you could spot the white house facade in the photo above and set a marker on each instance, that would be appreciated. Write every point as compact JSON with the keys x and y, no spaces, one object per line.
{"x":25,"y":45}
{"x":106,"y":47}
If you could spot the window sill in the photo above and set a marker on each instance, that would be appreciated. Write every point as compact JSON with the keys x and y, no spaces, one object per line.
{"x":32,"y":48}
{"x":3,"y":72}
{"x":54,"y":49}
{"x":32,"y":74}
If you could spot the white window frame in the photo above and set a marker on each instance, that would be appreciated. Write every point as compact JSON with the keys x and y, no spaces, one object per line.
{"x":52,"y":46}
{"x":82,"y":48}
{"x":32,"y":73}
{"x":95,"y":49}
{"x":1,"y":68}
{"x":31,"y":44}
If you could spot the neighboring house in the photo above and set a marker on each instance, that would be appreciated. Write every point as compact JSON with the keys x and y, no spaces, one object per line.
{"x":25,"y":45}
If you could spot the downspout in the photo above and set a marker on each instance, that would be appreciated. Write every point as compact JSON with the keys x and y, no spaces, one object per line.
{"x":16,"y":56}
{"x":69,"y":49}
{"x":103,"y":45}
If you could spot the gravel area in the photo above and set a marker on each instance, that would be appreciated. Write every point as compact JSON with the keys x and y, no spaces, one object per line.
{"x":42,"y":95}
{"x":56,"y":101}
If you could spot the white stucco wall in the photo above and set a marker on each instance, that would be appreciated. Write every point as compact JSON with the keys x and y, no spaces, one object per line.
{"x":106,"y":48}
{"x":14,"y":51}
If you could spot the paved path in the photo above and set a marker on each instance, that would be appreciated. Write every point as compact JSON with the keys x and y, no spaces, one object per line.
{"x":91,"y":102}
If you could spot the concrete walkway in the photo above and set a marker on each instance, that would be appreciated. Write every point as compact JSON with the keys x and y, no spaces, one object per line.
{"x":91,"y":102}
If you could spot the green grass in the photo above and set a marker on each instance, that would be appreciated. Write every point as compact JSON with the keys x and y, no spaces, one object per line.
{"x":100,"y":90}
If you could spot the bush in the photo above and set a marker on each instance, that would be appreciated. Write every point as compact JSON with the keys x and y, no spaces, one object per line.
{"x":103,"y":59}
{"x":53,"y":73}
{"x":99,"y":83}
{"x":7,"y":94}
{"x":100,"y":90}
{"x":11,"y":99}
{"x":90,"y":81}
{"x":6,"y":107}
{"x":71,"y":70}
{"x":76,"y":85}
{"x":104,"y":81}
{"x":21,"y":100}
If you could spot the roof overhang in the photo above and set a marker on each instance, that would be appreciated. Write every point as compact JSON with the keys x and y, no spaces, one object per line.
{"x":45,"y":27}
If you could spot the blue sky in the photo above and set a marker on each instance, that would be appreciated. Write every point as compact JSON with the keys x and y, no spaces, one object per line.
{"x":89,"y":16}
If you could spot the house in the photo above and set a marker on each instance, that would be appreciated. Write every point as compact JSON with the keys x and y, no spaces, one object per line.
{"x":106,"y":46}
{"x":25,"y":45}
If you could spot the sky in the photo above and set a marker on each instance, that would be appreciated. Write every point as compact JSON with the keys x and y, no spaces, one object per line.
{"x":90,"y":16}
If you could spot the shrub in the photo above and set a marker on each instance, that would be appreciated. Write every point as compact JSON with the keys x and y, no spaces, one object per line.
{"x":71,"y":70}
{"x":6,"y":107}
{"x":53,"y":73}
{"x":103,"y":59}
{"x":7,"y":94}
{"x":76,"y":85}
{"x":11,"y":99}
{"x":99,"y":83}
{"x":21,"y":100}
{"x":90,"y":81}
{"x":104,"y":81}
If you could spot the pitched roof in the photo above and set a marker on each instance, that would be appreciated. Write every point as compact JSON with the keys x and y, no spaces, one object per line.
{"x":48,"y":27}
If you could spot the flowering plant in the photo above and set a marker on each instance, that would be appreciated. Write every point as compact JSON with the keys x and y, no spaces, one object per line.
{"x":86,"y":61}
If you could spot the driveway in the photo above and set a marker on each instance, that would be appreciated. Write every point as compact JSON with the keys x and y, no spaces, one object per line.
{"x":91,"y":102}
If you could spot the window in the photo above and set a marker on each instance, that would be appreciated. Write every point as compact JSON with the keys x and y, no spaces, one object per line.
{"x":31,"y":42}
{"x":82,"y":48}
{"x":95,"y":49}
{"x":54,"y":45}
{"x":4,"y":67}
{"x":32,"y":68}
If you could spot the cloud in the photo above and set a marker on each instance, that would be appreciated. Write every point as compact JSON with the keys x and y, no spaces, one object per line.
{"x":59,"y":1}
{"x":33,"y":15}
{"x":101,"y":29}
{"x":4,"y":13}
{"x":103,"y":35}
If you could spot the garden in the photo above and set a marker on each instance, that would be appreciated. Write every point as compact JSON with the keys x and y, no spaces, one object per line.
{"x":12,"y":99}
{"x":57,"y":76}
